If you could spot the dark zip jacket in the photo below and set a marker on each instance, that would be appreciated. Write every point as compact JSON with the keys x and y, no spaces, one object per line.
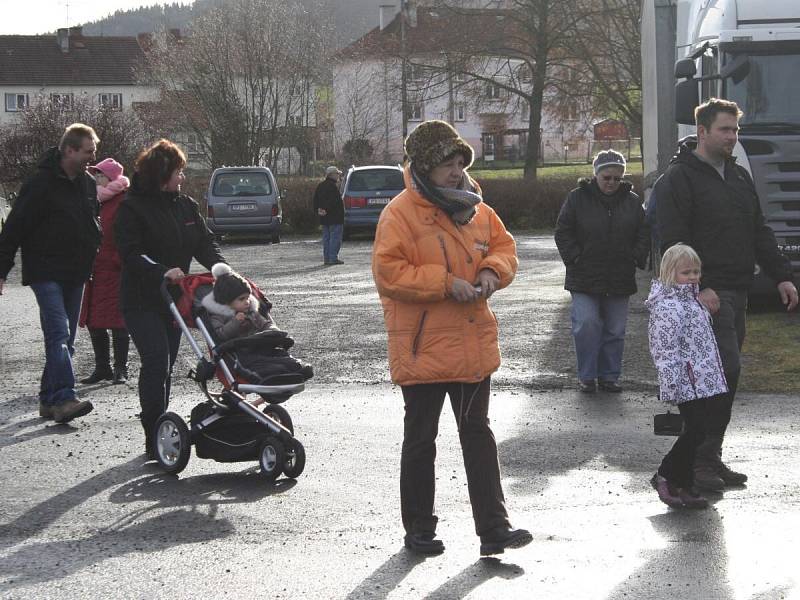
{"x":155,"y":233}
{"x":720,"y":218}
{"x":55,"y":223}
{"x":327,"y":196}
{"x":602,"y":239}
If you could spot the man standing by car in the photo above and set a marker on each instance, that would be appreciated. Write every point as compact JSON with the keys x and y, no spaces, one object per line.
{"x":709,"y":202}
{"x":330,"y":208}
{"x":54,"y":222}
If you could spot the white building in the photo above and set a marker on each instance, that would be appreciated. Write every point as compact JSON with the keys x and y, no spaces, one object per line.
{"x":368,"y":99}
{"x":67,"y":67}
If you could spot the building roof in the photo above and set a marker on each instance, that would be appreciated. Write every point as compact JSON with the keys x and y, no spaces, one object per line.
{"x":86,"y":60}
{"x":438,"y":30}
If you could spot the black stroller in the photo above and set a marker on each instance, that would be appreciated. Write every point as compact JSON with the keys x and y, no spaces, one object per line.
{"x":226,"y":427}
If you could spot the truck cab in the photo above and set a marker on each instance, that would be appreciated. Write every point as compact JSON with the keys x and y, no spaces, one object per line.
{"x":747,"y":51}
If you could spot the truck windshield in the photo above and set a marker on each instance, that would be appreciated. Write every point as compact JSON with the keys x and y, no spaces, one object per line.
{"x":770,"y":94}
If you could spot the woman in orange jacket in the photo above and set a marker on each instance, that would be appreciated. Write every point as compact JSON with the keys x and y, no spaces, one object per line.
{"x":439,"y":255}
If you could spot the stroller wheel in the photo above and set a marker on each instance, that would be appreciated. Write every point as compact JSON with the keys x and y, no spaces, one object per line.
{"x":172,"y":443}
{"x":281,"y":415}
{"x":271,"y":457}
{"x":295,"y":460}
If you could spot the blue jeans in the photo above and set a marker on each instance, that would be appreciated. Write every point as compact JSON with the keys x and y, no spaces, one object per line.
{"x":598,"y":328}
{"x":331,"y":242}
{"x":59,"y":308}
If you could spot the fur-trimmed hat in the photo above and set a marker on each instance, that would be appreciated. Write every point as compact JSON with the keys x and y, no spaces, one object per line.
{"x":432,"y":142}
{"x":228,"y":284}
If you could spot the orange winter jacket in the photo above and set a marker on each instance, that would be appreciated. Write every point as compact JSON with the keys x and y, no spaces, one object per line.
{"x":418,"y":251}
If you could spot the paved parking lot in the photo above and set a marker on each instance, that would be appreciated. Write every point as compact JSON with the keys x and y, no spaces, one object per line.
{"x":83,"y":516}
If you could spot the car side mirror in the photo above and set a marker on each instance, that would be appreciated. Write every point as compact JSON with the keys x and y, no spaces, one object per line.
{"x":687,"y":98}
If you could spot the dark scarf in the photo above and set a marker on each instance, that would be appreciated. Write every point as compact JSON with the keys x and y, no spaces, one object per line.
{"x":457,"y":203}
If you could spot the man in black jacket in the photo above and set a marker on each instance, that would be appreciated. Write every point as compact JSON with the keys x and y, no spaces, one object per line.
{"x":709,"y":202}
{"x":330,"y":208}
{"x":55,"y":223}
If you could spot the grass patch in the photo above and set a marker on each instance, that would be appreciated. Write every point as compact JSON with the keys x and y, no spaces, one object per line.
{"x":562,"y":171}
{"x":770,"y":362}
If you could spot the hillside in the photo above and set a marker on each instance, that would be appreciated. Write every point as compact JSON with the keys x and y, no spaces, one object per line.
{"x":352,"y":18}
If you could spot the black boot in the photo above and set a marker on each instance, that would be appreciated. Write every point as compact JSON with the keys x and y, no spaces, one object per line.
{"x":423,"y":543}
{"x":497,"y":540}
{"x":121,"y":345}
{"x":102,"y":357}
{"x":707,"y":463}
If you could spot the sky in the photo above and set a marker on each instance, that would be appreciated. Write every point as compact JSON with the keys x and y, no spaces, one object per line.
{"x":29,"y":17}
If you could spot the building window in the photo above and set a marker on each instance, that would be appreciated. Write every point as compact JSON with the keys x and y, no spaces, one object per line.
{"x":494,"y":91}
{"x":488,"y":146}
{"x":416,"y":111}
{"x":416,"y":72}
{"x":296,"y":121}
{"x":16,"y":102}
{"x":193,"y":145}
{"x":571,"y":112}
{"x":111,"y":101}
{"x":459,"y":77}
{"x":460,"y":111}
{"x":62,"y":101}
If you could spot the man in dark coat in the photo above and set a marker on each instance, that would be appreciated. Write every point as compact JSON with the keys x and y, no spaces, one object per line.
{"x":709,"y":202}
{"x":330,"y":208}
{"x":55,"y":223}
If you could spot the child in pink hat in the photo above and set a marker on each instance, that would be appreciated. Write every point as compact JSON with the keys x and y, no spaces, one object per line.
{"x":100,"y":310}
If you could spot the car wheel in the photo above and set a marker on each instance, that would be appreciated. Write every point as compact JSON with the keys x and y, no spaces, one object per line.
{"x":172,"y":443}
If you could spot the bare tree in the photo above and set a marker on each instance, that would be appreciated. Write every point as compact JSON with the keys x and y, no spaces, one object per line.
{"x":246,"y":72}
{"x":514,"y":46}
{"x":607,"y":71}
{"x":41,"y":125}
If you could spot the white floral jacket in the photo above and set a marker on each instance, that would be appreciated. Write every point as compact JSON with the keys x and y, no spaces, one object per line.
{"x":682,"y":344}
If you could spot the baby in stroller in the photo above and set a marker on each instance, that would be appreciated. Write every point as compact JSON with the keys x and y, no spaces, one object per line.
{"x":235,"y":313}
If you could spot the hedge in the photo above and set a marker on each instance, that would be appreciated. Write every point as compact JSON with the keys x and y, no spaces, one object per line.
{"x":521,"y":205}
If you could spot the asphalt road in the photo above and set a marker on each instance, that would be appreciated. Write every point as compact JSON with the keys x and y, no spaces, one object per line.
{"x":82,"y":515}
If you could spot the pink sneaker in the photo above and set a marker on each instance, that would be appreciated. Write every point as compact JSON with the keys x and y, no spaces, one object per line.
{"x":666,"y":493}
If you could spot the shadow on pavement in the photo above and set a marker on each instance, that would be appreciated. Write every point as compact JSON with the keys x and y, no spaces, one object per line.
{"x":668,"y":570}
{"x":23,"y":405}
{"x":475,"y":575}
{"x":383,"y":580}
{"x":184,"y":512}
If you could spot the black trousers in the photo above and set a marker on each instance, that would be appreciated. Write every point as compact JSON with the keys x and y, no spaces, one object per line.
{"x":156,"y":339}
{"x":729,"y":330}
{"x":703,"y":418}
{"x":102,"y":347}
{"x":423,"y":407}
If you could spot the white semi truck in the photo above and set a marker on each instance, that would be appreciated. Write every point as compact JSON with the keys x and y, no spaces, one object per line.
{"x":747,"y":51}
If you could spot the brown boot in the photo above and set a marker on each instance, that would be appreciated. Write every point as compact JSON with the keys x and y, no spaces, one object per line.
{"x":71,"y":409}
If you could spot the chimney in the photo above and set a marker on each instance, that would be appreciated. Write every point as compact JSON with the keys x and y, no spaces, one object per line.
{"x":63,"y":39}
{"x":411,"y":12}
{"x":386,"y":12}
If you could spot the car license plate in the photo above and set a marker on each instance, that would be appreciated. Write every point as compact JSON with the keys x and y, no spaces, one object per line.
{"x":241,"y":207}
{"x":374,"y":201}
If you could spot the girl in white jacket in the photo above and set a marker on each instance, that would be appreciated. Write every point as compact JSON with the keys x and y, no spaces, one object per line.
{"x":689,"y":368}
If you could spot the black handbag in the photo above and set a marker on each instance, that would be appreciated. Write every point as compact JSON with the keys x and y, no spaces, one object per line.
{"x":668,"y":423}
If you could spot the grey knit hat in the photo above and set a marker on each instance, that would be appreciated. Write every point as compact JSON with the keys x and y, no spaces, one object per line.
{"x":228,"y":284}
{"x":433,"y":141}
{"x":607,"y":158}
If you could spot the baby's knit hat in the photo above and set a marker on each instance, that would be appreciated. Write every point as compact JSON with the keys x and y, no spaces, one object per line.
{"x":228,"y":284}
{"x":433,"y":141}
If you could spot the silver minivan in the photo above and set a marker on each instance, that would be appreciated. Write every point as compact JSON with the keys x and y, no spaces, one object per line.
{"x":244,"y":200}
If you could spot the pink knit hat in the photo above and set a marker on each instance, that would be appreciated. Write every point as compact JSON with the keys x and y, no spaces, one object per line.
{"x":108,"y":167}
